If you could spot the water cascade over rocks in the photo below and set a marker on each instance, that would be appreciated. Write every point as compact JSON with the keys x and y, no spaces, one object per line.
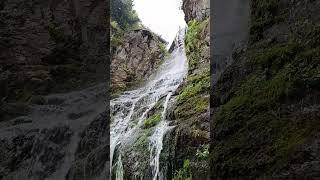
{"x":139,"y":119}
{"x":50,"y":139}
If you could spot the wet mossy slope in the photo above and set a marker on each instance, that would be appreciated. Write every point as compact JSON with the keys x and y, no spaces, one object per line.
{"x":266,"y":112}
{"x":190,"y":140}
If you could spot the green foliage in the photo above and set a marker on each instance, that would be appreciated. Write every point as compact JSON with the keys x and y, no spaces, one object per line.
{"x":274,"y":57}
{"x":196,"y":84}
{"x":193,"y":89}
{"x":123,"y":18}
{"x":194,"y":42}
{"x":202,"y":104}
{"x":203,"y":152}
{"x":116,"y":35}
{"x":185,"y":172}
{"x":263,"y":121}
{"x":163,"y":49}
{"x":193,"y":98}
{"x":255,"y":118}
{"x":123,"y":13}
{"x":152,"y":121}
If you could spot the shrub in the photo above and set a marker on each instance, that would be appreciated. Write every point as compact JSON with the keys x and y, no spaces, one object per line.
{"x":184,"y":173}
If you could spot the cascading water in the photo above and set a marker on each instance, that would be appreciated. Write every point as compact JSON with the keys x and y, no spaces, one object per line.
{"x":130,"y":110}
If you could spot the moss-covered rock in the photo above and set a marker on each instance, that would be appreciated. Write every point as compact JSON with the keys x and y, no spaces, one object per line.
{"x":265,"y":105}
{"x":152,"y":121}
{"x":192,"y":108}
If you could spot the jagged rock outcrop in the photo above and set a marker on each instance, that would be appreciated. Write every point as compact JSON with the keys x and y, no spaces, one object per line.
{"x":196,"y":9}
{"x":265,"y":105}
{"x":138,"y":56}
{"x":51,"y":46}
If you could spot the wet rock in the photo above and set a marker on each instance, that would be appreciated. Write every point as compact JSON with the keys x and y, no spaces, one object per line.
{"x":41,"y":151}
{"x":93,"y":152}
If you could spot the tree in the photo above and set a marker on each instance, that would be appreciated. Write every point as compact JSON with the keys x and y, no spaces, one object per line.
{"x":123,"y":13}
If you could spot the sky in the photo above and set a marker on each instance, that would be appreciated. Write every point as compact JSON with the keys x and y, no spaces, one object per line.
{"x":163,"y":17}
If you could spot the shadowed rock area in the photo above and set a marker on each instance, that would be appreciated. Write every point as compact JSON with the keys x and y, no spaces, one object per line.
{"x":54,"y":58}
{"x":265,"y":104}
{"x":51,"y":46}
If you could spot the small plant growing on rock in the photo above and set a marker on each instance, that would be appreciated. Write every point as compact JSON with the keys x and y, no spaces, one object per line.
{"x":203,"y":152}
{"x":152,"y":121}
{"x":184,"y":173}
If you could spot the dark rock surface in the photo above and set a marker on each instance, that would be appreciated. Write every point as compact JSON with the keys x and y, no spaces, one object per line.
{"x":93,"y":151}
{"x":51,"y":46}
{"x":229,"y":33}
{"x":265,"y":104}
{"x":47,"y":143}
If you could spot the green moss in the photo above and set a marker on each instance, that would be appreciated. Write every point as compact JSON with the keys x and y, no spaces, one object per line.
{"x":163,"y":49}
{"x":194,"y":42}
{"x":116,"y":35}
{"x":142,"y":140}
{"x":262,"y":121}
{"x":193,"y":98}
{"x":254,"y":131}
{"x":184,"y":173}
{"x":192,"y":90}
{"x":196,"y":84}
{"x":274,"y":56}
{"x":152,"y":121}
{"x":192,"y":106}
{"x":202,"y":104}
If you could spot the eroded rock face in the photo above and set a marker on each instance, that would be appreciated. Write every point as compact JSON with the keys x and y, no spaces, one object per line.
{"x":196,"y":9}
{"x":51,"y":46}
{"x":136,"y":59}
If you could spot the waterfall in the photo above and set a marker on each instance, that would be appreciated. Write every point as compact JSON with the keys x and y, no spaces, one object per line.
{"x":156,"y":139}
{"x":131,"y":109}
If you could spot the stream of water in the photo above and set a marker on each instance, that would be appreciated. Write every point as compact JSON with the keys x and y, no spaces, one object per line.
{"x":132,"y":108}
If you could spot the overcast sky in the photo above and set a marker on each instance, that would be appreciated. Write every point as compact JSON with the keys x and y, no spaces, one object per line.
{"x":162,"y":16}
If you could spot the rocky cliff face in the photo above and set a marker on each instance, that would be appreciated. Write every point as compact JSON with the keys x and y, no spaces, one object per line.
{"x":188,"y":143}
{"x":265,"y":121}
{"x":136,"y":58}
{"x":51,"y":46}
{"x":48,"y":47}
{"x":196,"y":9}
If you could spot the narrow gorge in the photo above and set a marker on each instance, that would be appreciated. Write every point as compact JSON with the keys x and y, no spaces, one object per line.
{"x":160,"y":106}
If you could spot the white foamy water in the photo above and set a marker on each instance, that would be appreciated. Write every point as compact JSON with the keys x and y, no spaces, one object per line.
{"x":130,"y":110}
